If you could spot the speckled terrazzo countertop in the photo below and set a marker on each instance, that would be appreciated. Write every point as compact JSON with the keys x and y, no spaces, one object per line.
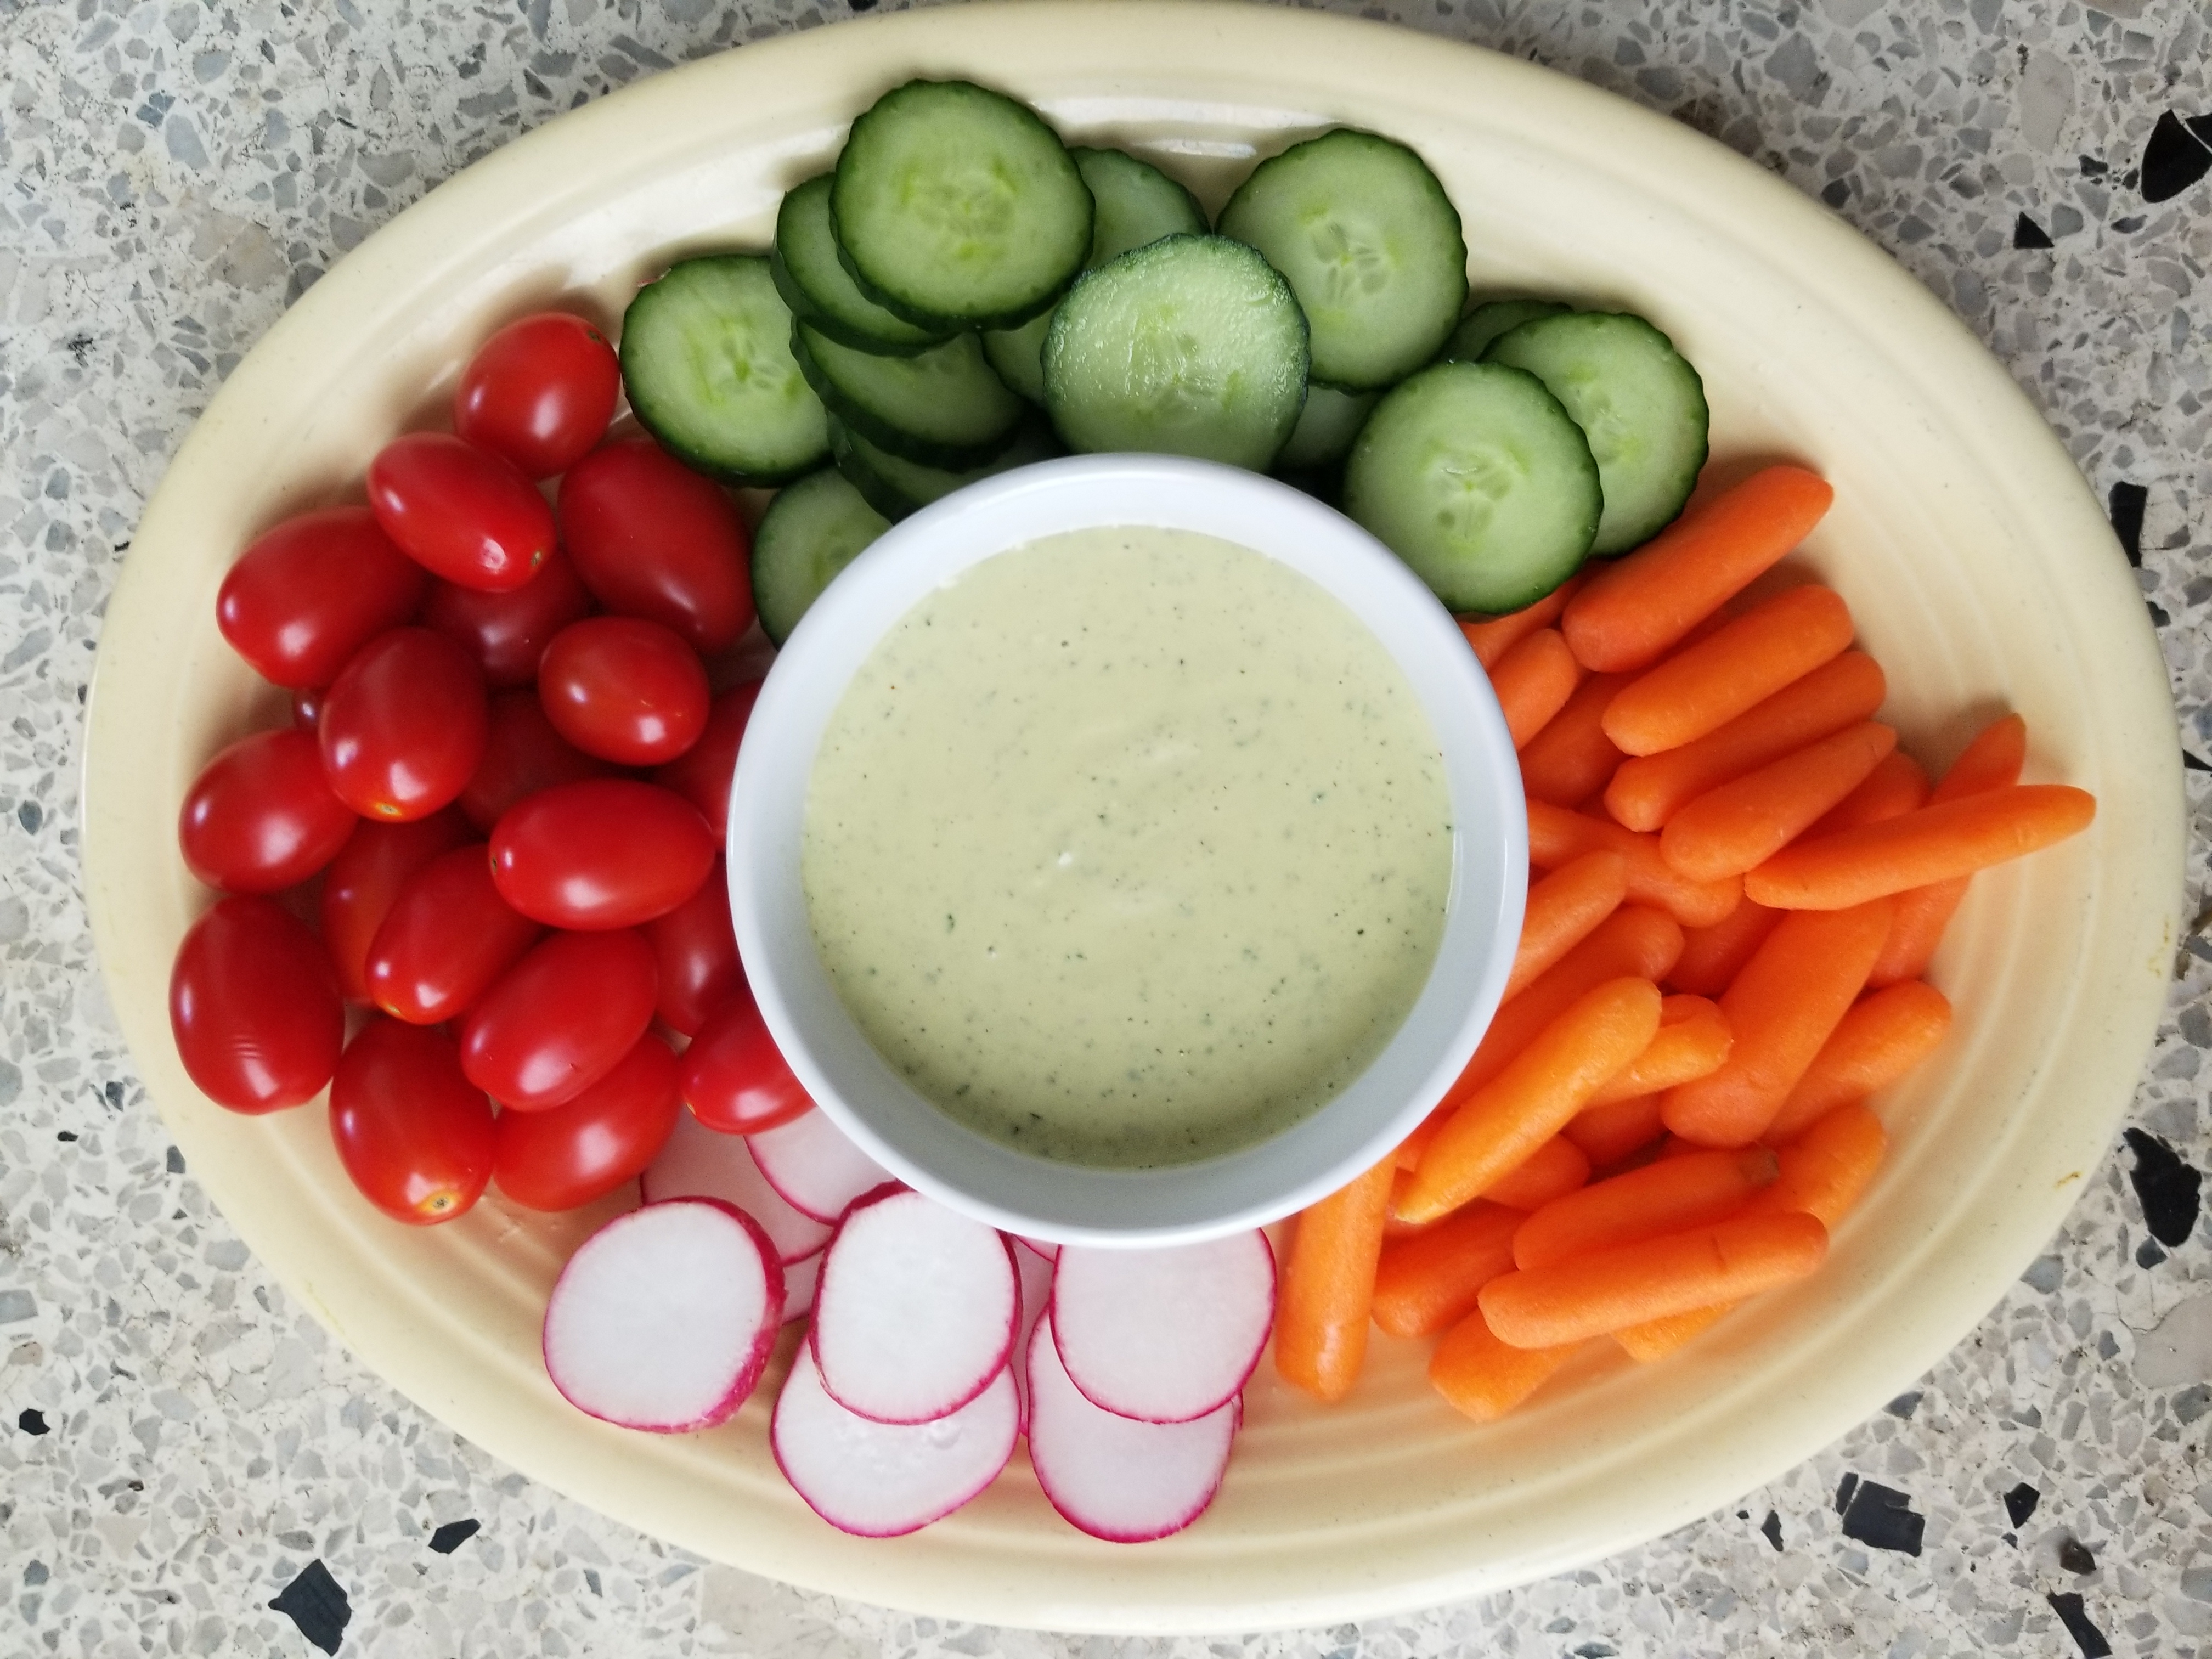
{"x":181,"y":1446}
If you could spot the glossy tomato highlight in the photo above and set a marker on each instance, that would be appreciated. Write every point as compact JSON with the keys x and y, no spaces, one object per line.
{"x":460,"y":512}
{"x":607,"y":1135}
{"x":560,"y":1019}
{"x":413,"y":1133}
{"x":606,"y":853}
{"x":309,"y":593}
{"x":735,"y":1078}
{"x":540,"y":392}
{"x":623,"y":688}
{"x":261,"y":818}
{"x":448,"y":938}
{"x":652,"y":538}
{"x":254,"y":1007}
{"x":404,"y":726}
{"x":523,"y":754}
{"x":507,"y":632}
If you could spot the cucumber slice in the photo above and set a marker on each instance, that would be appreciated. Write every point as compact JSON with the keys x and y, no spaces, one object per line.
{"x":1191,"y":345}
{"x":1637,"y":399}
{"x":817,"y":288}
{"x":1370,"y":244}
{"x":1490,"y":319}
{"x":706,"y":361}
{"x":1326,"y":428}
{"x":812,"y":530}
{"x":1137,"y":204}
{"x":942,"y":407}
{"x":959,"y":207}
{"x":1474,"y":474}
{"x":896,"y":487}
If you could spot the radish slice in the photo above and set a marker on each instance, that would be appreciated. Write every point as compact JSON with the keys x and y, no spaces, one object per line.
{"x":799,"y":1280}
{"x":917,"y":1309}
{"x":698,"y":1162}
{"x":1114,"y":1477}
{"x":1036,"y":1296}
{"x":1165,"y":1336}
{"x":1043,"y":1247}
{"x":816,"y":1169}
{"x":879,"y":1480}
{"x":664,"y":1317}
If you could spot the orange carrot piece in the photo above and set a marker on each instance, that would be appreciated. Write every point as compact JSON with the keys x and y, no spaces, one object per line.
{"x":1742,"y":824}
{"x":1886,"y":1033}
{"x":1607,"y":1135}
{"x":1408,"y":1156}
{"x":1897,"y":786}
{"x":1607,"y":1291}
{"x":1629,"y":615}
{"x":1328,"y":1286}
{"x":1533,"y":681}
{"x":1482,"y":1378}
{"x":1825,"y":1169}
{"x":1942,"y":841}
{"x":1494,"y":636}
{"x":1562,"y":911}
{"x":1693,"y":1040}
{"x":1671,"y":1196}
{"x":1552,"y":1170}
{"x":1655,"y":1338}
{"x":1704,"y":686}
{"x":1649,"y":789}
{"x":1781,"y":1007}
{"x":1712,"y":957}
{"x":1556,"y":835}
{"x":1502,"y":1122}
{"x":1992,"y":760}
{"x":1428,"y":1281}
{"x":1570,"y":760}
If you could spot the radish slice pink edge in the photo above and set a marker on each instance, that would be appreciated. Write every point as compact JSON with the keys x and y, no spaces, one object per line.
{"x":1037,"y":1297}
{"x":663,"y":1318}
{"x":1168,"y":1335}
{"x":811,"y":1162}
{"x":916,"y":1310}
{"x":698,"y":1162}
{"x":880,"y":1480}
{"x":1115,"y":1477}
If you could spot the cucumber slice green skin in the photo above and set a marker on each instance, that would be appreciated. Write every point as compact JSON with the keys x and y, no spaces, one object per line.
{"x":1191,"y":345}
{"x":1490,"y":319}
{"x":706,"y":361}
{"x":896,"y":487}
{"x":1371,"y":245}
{"x":815,"y":284}
{"x":942,"y":407}
{"x":1637,"y":400}
{"x":1327,"y":427}
{"x":1016,"y":355}
{"x":1476,"y":476}
{"x":958,"y":208}
{"x":812,"y":530}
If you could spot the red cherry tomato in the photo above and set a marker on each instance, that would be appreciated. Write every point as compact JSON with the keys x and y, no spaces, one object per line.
{"x":623,"y":688}
{"x":254,"y":1007}
{"x":567,"y":1157}
{"x":506,"y":632}
{"x":460,"y":512}
{"x":404,"y":727}
{"x":447,"y":939}
{"x":415,"y":1134}
{"x":652,"y":538}
{"x":606,"y":852}
{"x":733,"y":1076}
{"x":696,"y":948}
{"x":306,"y":709}
{"x":701,"y":773}
{"x":310,"y":592}
{"x":540,"y":391}
{"x":363,"y":880}
{"x":261,"y":818}
{"x":560,"y":1019}
{"x":523,"y":754}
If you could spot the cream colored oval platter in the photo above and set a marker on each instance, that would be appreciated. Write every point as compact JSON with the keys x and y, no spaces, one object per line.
{"x":1979,"y":569}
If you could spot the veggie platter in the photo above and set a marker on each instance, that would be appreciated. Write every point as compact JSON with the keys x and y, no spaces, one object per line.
{"x":1975,"y":566}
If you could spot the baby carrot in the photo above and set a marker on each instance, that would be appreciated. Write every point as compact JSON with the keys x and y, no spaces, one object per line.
{"x":1704,"y":686}
{"x":1562,"y":910}
{"x":1411,"y":1148}
{"x":1693,"y":1040}
{"x":1494,"y":636}
{"x":1898,"y":785}
{"x":1607,"y":1135}
{"x":1328,"y":1286}
{"x":1556,"y":835}
{"x":1648,"y":790}
{"x":1781,"y":1007}
{"x":1631,"y":1284}
{"x":1712,"y":956}
{"x":1533,"y":681}
{"x":1627,"y":616}
{"x":1429,"y":1281}
{"x":1482,"y":1378}
{"x":1528,"y":1102}
{"x":1742,"y":824}
{"x":1885,"y":1034}
{"x":1555,"y":1168}
{"x":1570,"y":760}
{"x":1992,"y":760}
{"x":1825,"y":1169}
{"x":1671,"y":1196}
{"x":1942,"y":841}
{"x":1655,"y":1338}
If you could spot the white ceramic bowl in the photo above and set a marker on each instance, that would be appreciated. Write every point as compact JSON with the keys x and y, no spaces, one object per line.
{"x":1063,"y":1201}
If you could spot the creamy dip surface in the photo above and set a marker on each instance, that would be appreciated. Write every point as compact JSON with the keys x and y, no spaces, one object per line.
{"x":1128,"y":847}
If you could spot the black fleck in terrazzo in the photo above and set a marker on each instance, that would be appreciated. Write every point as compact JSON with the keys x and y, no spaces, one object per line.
{"x":175,"y":174}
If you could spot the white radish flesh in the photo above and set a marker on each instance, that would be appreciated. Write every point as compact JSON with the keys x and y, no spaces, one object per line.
{"x":698,"y":1162}
{"x":879,"y":1480}
{"x":916,"y":1310}
{"x":1044,"y":1248}
{"x":1164,"y":1335}
{"x":1037,"y":1298}
{"x":800,"y":1279}
{"x":1114,"y":1477}
{"x":663,"y":1319}
{"x":810,"y":1161}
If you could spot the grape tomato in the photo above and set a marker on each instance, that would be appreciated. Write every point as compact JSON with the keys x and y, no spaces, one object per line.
{"x":460,"y":512}
{"x":413,"y":1131}
{"x":540,"y":392}
{"x":364,"y":879}
{"x":254,"y":1007}
{"x":607,"y":1135}
{"x":695,"y":947}
{"x":261,"y":818}
{"x":735,"y":1078}
{"x":310,"y":592}
{"x":560,"y":1019}
{"x":523,"y":754}
{"x":652,"y":538}
{"x":623,"y":688}
{"x":307,"y":708}
{"x":507,"y":632}
{"x":606,"y":853}
{"x":447,"y":939}
{"x":405,"y":726}
{"x":701,"y":773}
